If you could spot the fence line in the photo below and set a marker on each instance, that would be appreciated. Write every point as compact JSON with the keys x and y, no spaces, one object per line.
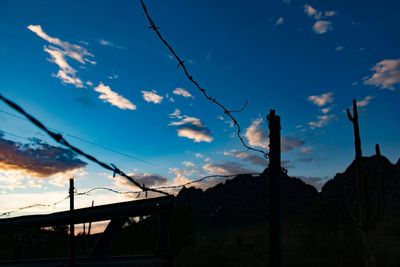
{"x":210,"y":98}
{"x":8,"y":213}
{"x":138,"y":193}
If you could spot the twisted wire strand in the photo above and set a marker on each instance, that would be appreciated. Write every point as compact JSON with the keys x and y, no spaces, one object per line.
{"x":210,"y":98}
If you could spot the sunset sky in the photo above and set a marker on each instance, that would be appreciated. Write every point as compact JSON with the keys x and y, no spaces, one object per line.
{"x":93,"y":70}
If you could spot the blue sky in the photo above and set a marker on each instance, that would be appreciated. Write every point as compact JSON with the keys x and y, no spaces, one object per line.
{"x":94,"y":70}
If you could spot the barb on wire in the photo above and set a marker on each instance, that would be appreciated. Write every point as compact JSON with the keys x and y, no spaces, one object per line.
{"x":212,"y":99}
{"x":61,"y":140}
{"x":53,"y":205}
{"x":106,"y":189}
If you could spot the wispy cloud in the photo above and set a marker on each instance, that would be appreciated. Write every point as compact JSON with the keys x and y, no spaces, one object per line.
{"x":65,"y":73}
{"x":182,"y":92}
{"x":191,"y":127}
{"x":104,"y":42}
{"x":330,"y":13}
{"x":113,"y":76}
{"x":321,"y":100}
{"x":73,"y":51}
{"x":365,"y":101}
{"x":309,"y":10}
{"x":152,"y":97}
{"x":339,"y":48}
{"x":386,"y":74}
{"x":59,"y":51}
{"x":322,"y":26}
{"x":326,"y":110}
{"x":322,"y":120}
{"x":279,"y":21}
{"x":107,"y":95}
{"x":176,"y":114}
{"x":188,"y":164}
{"x":225,"y":168}
{"x":247,"y":156}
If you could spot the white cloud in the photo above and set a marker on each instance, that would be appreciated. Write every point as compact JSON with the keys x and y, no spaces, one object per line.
{"x":176,"y":114}
{"x":387,"y":74}
{"x":365,"y":101}
{"x":110,"y":44}
{"x":225,"y":168}
{"x":326,"y":110}
{"x":321,"y":121}
{"x":187,"y":120}
{"x":113,"y":76}
{"x":182,"y":92}
{"x":306,"y":149}
{"x":339,"y":48}
{"x":257,"y":136}
{"x":321,"y":100}
{"x":198,"y":136}
{"x":322,"y":26}
{"x":188,"y":164}
{"x":59,"y":55}
{"x":199,"y":155}
{"x":107,"y":95}
{"x":330,"y":13}
{"x":65,"y":73}
{"x":73,"y":51}
{"x":280,"y":21}
{"x":152,"y":97}
{"x":191,"y":127}
{"x":309,"y":10}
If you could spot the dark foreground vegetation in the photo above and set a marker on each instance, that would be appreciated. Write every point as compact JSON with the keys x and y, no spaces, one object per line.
{"x":227,"y":225}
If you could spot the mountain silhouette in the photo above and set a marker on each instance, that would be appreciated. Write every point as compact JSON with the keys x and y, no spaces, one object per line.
{"x":244,"y":199}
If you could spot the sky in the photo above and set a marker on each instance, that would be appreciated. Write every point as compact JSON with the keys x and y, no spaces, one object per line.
{"x":94,"y":72}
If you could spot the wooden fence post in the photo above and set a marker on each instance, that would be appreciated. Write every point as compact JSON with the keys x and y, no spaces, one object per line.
{"x":275,"y":183}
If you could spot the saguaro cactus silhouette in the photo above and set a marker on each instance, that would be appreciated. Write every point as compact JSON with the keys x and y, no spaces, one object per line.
{"x":367,"y":219}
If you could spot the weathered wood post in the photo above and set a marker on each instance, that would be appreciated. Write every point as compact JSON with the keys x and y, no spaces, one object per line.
{"x":275,"y":187}
{"x":71,"y":226}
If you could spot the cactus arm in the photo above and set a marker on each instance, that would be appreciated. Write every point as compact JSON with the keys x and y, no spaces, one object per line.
{"x":349,"y":115}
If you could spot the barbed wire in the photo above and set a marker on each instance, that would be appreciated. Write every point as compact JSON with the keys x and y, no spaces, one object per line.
{"x":53,"y":205}
{"x":78,"y":138}
{"x":61,"y":140}
{"x":205,"y":178}
{"x":212,"y":99}
{"x":138,"y":193}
